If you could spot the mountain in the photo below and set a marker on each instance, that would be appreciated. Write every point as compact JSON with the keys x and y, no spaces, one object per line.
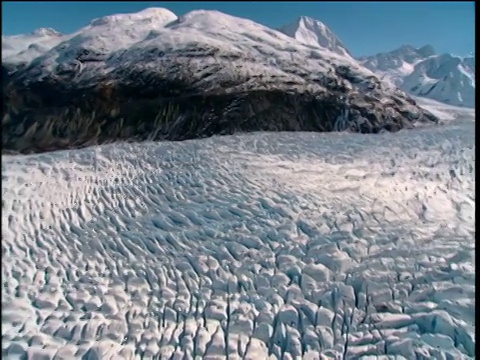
{"x":104,"y":34}
{"x":251,"y":246}
{"x":22,"y":49}
{"x":153,"y":75}
{"x":315,"y":33}
{"x":422,"y":72}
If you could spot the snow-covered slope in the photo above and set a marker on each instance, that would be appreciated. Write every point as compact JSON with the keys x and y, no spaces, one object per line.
{"x":313,"y":32}
{"x":445,"y":78}
{"x":102,"y":36}
{"x":128,"y":38}
{"x":22,"y":49}
{"x":421,"y":72}
{"x":400,"y":61}
{"x":109,"y":42}
{"x":97,"y":41}
{"x":213,"y":73}
{"x":446,"y":113}
{"x":261,"y":246}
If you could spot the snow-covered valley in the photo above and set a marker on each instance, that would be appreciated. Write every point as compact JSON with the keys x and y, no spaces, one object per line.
{"x":252,"y":246}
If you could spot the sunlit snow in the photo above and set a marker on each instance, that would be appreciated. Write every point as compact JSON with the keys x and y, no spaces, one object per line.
{"x":254,"y":246}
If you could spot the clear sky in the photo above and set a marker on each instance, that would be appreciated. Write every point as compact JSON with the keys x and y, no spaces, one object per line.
{"x":364,"y":27}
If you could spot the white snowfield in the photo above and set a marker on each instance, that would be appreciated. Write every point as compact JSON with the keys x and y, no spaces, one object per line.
{"x":258,"y":246}
{"x":446,"y":113}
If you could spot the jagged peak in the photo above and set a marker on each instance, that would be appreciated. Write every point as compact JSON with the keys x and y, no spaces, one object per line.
{"x":314,"y":32}
{"x":424,"y":51}
{"x":406,"y":47}
{"x":309,"y":20}
{"x":46,"y":31}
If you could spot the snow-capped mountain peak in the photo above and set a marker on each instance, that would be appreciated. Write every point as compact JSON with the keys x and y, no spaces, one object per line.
{"x":105,"y":35}
{"x":22,"y":49}
{"x":422,"y":72}
{"x":399,"y":59}
{"x":158,"y":16}
{"x":315,"y":33}
{"x":137,"y":38}
{"x":46,"y":32}
{"x":408,"y":50}
{"x":213,"y":20}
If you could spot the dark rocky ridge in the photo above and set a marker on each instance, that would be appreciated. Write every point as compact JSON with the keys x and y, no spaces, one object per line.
{"x":178,"y":100}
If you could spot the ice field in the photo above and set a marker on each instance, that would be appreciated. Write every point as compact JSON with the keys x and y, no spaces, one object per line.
{"x":253,"y":246}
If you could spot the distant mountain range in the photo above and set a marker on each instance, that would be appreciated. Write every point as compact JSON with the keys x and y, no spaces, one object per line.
{"x":418,"y":71}
{"x":208,"y":73}
{"x":422,"y":72}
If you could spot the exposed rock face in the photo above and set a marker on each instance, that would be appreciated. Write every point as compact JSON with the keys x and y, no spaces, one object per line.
{"x":53,"y":115}
{"x":173,"y":85}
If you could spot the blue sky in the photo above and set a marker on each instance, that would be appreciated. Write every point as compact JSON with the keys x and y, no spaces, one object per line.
{"x":364,"y":27}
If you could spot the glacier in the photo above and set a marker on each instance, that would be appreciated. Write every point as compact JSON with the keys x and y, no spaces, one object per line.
{"x":250,"y":246}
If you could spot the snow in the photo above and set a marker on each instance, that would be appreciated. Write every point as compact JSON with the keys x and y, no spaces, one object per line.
{"x":446,"y":113}
{"x":396,"y":75}
{"x":468,"y":73}
{"x":313,"y":32}
{"x":421,"y":72}
{"x":306,"y":45}
{"x":141,"y":40}
{"x":102,"y":36}
{"x":442,"y":78}
{"x":253,"y":246}
{"x":25,"y":48}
